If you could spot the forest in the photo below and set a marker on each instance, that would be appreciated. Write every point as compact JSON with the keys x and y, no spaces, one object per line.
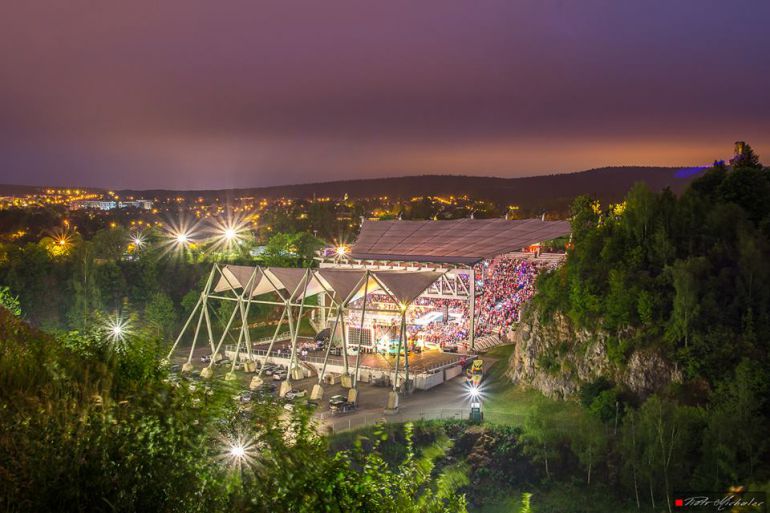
{"x":686,"y":277}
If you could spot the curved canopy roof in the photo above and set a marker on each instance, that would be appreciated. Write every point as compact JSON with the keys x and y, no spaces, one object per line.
{"x":459,"y":241}
{"x":344,"y":285}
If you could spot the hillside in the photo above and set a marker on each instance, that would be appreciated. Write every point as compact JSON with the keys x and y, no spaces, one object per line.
{"x":607,"y":184}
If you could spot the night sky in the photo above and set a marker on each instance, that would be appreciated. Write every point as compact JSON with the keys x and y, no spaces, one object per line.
{"x":188,"y":94}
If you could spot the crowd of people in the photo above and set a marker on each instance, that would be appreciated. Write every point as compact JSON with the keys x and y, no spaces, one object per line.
{"x":507,"y":285}
{"x":503,"y":286}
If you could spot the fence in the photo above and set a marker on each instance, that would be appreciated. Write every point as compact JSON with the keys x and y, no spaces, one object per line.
{"x":340,"y":424}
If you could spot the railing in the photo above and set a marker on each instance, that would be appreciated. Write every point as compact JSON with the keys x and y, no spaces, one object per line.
{"x":264,"y":340}
{"x":339,"y":424}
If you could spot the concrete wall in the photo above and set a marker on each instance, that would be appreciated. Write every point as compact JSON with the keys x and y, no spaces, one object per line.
{"x":452,"y":372}
{"x":428,"y":381}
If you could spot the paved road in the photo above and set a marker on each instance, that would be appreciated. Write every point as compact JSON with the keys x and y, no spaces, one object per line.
{"x":448,"y":400}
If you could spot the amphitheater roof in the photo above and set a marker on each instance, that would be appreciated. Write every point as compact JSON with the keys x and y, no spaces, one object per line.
{"x":459,"y":241}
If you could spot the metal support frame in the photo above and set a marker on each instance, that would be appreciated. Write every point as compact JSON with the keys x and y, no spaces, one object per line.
{"x":293,"y":362}
{"x":288,"y":300}
{"x":472,"y":299}
{"x":361,"y":330}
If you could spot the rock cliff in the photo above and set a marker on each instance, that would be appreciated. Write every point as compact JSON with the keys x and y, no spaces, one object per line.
{"x":558,"y":359}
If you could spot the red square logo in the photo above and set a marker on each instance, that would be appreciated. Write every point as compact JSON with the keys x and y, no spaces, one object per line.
{"x":678,"y":503}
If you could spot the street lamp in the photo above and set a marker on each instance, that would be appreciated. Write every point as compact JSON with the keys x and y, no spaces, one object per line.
{"x":117,"y":329}
{"x":137,"y":240}
{"x":238,"y":452}
{"x":476,"y":413}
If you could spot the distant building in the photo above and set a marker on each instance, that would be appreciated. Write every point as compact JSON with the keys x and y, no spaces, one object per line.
{"x":95,"y":204}
{"x":257,"y":251}
{"x":111,"y":205}
{"x":142,"y":203}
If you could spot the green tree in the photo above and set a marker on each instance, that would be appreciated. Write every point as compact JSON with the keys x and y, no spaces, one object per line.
{"x":160,"y":315}
{"x":588,"y":442}
{"x":110,"y":244}
{"x":9,"y":301}
{"x":687,"y":285}
{"x":737,"y":434}
{"x":86,"y":302}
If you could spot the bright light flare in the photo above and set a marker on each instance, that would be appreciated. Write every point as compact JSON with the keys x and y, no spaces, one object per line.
{"x":62,"y":242}
{"x":138,"y":240}
{"x":238,"y":452}
{"x":228,"y":232}
{"x":342,"y":251}
{"x":117,"y":329}
{"x":475,"y":393}
{"x":179,"y":237}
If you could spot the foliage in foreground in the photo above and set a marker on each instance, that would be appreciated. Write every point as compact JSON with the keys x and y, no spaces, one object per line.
{"x":87,"y":425}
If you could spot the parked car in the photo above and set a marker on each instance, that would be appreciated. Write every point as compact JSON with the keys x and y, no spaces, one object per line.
{"x":265,"y":390}
{"x":224,"y":361}
{"x":340,"y":404}
{"x":244,"y":397}
{"x":280,"y":375}
{"x":293,"y":394}
{"x":450,"y":349}
{"x":206,"y":358}
{"x":343,"y":407}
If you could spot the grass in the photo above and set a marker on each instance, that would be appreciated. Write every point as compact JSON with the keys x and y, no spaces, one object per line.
{"x":509,"y":404}
{"x":452,"y":478}
{"x":504,"y":402}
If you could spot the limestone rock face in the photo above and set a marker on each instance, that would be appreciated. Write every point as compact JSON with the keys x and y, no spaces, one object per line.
{"x":646,"y":371}
{"x":557,"y":360}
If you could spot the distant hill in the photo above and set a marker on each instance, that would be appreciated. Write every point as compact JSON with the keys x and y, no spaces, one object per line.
{"x":19,"y":190}
{"x":547,"y":192}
